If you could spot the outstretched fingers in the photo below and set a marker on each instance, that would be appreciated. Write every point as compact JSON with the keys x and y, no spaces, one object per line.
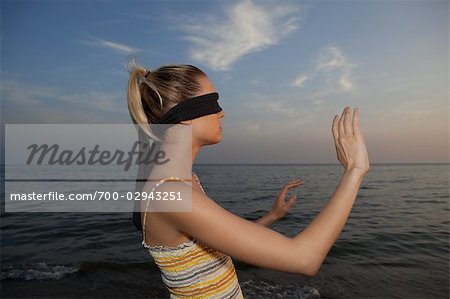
{"x":335,"y":127}
{"x":355,"y":122}
{"x":341,"y":123}
{"x":347,"y":121}
{"x":289,"y":186}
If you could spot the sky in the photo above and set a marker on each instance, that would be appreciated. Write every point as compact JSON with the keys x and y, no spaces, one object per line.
{"x":283,"y":69}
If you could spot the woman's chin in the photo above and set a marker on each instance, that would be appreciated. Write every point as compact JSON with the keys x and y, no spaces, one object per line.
{"x":215,"y":141}
{"x":219,"y":138}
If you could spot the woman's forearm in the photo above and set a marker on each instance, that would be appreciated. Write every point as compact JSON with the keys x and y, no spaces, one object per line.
{"x":266,"y":220}
{"x":319,"y":236}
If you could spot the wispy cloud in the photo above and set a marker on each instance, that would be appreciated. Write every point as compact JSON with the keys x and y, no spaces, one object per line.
{"x":331,"y":59}
{"x":24,"y":95}
{"x":246,"y":28}
{"x":300,"y":80}
{"x":70,"y":105}
{"x":277,"y":108}
{"x":345,"y":81}
{"x":278,"y":114}
{"x":118,"y":47}
{"x":331,"y":65}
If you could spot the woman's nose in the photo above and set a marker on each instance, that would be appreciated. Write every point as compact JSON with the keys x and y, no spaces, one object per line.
{"x":221,"y":114}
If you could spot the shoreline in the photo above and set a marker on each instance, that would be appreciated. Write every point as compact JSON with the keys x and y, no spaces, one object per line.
{"x":116,"y":281}
{"x":143,"y":280}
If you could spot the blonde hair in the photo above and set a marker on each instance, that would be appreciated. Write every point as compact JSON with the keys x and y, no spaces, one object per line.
{"x":151,"y":96}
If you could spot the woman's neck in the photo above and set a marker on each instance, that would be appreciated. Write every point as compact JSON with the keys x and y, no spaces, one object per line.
{"x":179,"y":153}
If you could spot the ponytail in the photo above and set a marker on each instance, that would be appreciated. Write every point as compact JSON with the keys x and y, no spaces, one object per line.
{"x":135,"y":107}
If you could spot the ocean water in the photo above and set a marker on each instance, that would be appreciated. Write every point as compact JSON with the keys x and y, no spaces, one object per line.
{"x":395,"y":243}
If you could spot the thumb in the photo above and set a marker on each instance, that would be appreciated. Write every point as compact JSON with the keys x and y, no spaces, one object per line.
{"x":292,"y":200}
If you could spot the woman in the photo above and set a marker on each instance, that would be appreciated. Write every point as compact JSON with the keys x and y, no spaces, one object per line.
{"x":193,"y":250}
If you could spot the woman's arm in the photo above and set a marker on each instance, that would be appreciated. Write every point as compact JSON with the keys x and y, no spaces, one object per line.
{"x":326,"y":227}
{"x":352,"y":153}
{"x":261,"y":246}
{"x":267,"y":219}
{"x":242,"y":239}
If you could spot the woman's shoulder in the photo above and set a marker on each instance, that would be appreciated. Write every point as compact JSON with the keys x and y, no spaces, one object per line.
{"x":170,"y":194}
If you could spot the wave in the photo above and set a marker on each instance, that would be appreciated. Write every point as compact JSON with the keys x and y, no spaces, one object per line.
{"x":38,"y":271}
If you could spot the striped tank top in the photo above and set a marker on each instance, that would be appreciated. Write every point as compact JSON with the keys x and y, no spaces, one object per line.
{"x":192,"y":269}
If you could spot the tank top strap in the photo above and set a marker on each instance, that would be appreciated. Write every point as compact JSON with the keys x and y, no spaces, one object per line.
{"x":198,"y":181}
{"x":160,"y":182}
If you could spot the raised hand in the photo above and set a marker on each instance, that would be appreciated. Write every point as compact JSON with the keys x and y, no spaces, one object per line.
{"x":350,"y":146}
